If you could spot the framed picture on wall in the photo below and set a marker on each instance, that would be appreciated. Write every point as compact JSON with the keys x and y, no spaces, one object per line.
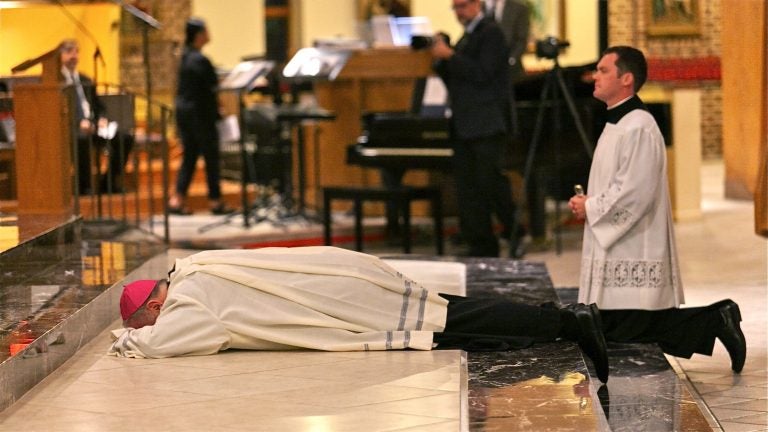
{"x":368,"y":8}
{"x":673,"y":17}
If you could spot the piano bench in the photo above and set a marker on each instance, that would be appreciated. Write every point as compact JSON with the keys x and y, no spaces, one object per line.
{"x":403,"y":195}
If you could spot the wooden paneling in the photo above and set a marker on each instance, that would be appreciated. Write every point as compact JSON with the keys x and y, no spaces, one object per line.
{"x":744,"y":89}
{"x":43,"y":161}
{"x":761,"y":193}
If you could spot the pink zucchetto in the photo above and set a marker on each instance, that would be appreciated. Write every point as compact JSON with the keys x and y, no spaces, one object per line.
{"x":134,"y":295}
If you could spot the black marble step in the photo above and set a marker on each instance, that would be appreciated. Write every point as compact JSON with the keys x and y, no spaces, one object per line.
{"x":550,"y":386}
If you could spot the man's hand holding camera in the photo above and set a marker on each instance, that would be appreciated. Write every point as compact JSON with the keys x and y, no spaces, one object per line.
{"x":441,"y":49}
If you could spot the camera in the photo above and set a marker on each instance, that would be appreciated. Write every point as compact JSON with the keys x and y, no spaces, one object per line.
{"x":550,"y":47}
{"x":419,"y":42}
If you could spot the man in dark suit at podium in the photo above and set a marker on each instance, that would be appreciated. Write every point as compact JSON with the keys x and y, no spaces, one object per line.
{"x":88,"y":111}
{"x":476,"y":73}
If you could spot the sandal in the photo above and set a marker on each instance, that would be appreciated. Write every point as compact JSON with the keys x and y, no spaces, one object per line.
{"x":222,"y":209}
{"x":181,"y":211}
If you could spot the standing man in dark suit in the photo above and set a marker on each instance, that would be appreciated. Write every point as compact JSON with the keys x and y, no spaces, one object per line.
{"x":89,"y":110}
{"x":512,"y":16}
{"x":476,"y":73}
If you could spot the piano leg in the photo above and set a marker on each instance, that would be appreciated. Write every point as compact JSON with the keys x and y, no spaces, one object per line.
{"x":405,"y":205}
{"x":358,"y":224}
{"x":392,"y":178}
{"x":437,"y":214}
{"x":327,"y":219}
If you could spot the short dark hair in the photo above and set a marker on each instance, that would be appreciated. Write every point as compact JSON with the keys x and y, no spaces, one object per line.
{"x":68,"y":45}
{"x":630,"y":60}
{"x":192,"y":28}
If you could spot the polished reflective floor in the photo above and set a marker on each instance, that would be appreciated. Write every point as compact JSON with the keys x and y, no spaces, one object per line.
{"x":546,"y":387}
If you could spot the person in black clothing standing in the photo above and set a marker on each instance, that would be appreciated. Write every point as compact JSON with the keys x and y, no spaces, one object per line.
{"x":197,"y":111}
{"x":476,"y":73}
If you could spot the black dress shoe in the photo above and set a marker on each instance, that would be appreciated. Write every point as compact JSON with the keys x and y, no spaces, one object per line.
{"x":180,"y":211}
{"x":222,"y":209}
{"x":590,"y":336}
{"x":731,"y":336}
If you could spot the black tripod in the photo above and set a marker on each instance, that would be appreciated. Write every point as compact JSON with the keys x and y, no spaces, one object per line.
{"x":553,"y":89}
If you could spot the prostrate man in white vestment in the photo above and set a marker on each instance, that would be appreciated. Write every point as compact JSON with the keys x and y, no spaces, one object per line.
{"x":629,"y":260}
{"x":330,"y":299}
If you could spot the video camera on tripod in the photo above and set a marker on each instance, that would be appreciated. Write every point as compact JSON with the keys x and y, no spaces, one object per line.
{"x":552,"y":92}
{"x":550,"y":47}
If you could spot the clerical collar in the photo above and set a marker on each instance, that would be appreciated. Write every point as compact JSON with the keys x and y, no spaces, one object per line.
{"x":623,"y":108}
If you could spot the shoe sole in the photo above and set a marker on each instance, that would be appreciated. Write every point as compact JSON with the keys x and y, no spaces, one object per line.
{"x":595,"y":312}
{"x":733,"y":310}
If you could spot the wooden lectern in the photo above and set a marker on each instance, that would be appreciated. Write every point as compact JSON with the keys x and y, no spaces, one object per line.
{"x":44,"y":140}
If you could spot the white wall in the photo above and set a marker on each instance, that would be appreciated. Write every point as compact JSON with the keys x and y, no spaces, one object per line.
{"x":583,"y":32}
{"x":440,"y":14}
{"x":236,"y":28}
{"x":327,"y":19}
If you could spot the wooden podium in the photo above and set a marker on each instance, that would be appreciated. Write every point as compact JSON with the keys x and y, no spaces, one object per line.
{"x":44,"y":140}
{"x":373,"y":80}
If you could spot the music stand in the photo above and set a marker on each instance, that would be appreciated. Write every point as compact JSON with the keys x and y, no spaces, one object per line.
{"x":241,"y":80}
{"x":308,"y":65}
{"x":294,"y":116}
{"x":312,"y":64}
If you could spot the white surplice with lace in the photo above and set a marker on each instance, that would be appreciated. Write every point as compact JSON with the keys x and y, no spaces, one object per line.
{"x":629,"y":258}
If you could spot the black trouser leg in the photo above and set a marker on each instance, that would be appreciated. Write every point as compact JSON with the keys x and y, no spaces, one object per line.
{"x":212,"y":156}
{"x":477,"y":165}
{"x":678,"y":332}
{"x":504,"y":206}
{"x":120,"y":149}
{"x":517,"y":325}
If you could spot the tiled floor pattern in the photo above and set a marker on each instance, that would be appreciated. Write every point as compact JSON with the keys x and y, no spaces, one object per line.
{"x":252,"y":391}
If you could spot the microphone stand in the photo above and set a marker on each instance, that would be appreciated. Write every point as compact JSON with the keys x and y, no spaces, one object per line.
{"x":97,"y":58}
{"x":146,"y":21}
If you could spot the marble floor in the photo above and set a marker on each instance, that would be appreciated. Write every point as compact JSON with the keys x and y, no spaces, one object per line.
{"x":439,"y":390}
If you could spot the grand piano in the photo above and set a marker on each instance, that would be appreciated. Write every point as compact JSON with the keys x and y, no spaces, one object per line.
{"x":402,"y":141}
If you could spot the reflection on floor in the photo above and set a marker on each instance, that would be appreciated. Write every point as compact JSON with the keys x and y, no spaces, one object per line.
{"x":545,"y":387}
